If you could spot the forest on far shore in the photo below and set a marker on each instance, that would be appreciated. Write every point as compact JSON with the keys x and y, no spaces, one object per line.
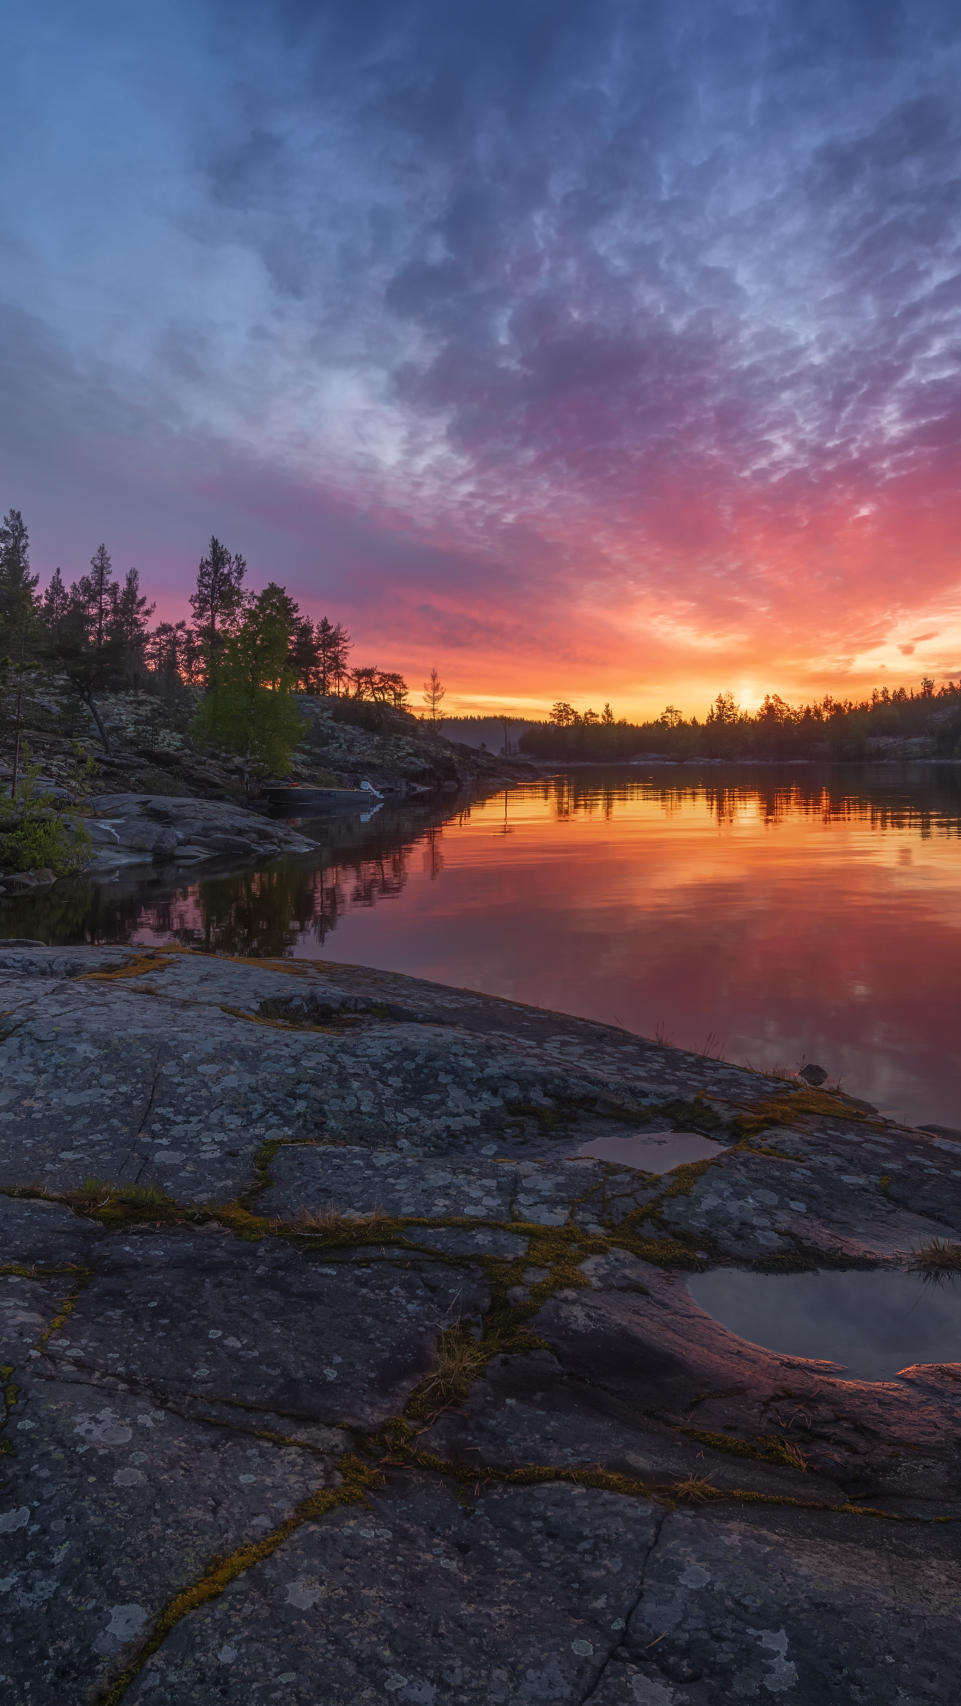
{"x":833,"y":729}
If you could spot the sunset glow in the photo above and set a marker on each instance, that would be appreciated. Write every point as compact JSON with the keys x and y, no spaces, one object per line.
{"x":581,"y":350}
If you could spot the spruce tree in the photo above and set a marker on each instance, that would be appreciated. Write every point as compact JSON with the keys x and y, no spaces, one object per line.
{"x":129,"y":616}
{"x":54,"y":605}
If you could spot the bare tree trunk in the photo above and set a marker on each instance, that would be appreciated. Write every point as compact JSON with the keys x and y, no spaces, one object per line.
{"x":88,"y":700}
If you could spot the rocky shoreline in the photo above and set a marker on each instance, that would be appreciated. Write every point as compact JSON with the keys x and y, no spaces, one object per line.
{"x":151,"y":750}
{"x":334,"y":1374}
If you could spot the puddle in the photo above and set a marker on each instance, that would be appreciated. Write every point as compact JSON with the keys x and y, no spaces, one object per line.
{"x":651,"y":1151}
{"x":873,"y":1323}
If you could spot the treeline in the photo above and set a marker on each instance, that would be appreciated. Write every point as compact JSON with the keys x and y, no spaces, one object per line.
{"x":99,"y":627}
{"x":831,"y":728}
{"x":249,"y":652}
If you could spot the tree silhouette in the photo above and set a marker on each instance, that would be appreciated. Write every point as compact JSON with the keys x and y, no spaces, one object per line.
{"x":434,"y":692}
{"x":217,"y":603}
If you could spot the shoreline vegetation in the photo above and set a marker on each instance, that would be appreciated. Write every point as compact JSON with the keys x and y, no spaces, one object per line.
{"x":250,"y":689}
{"x":898,"y":724}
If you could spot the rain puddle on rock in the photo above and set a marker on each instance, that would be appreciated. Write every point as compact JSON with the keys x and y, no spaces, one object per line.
{"x":650,"y":1151}
{"x":873,"y":1324}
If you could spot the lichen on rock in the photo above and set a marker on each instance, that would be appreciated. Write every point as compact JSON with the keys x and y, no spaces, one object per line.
{"x":326,"y":1356}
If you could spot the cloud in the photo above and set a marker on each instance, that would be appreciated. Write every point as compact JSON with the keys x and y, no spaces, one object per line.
{"x":592,"y":340}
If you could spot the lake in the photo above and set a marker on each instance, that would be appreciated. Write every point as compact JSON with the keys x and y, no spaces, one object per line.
{"x":770,"y":914}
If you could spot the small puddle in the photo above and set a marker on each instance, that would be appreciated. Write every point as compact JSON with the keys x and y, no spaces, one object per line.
{"x":651,"y":1151}
{"x":873,"y":1324}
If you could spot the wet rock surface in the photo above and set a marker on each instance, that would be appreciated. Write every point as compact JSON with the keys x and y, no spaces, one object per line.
{"x":332,"y":1375}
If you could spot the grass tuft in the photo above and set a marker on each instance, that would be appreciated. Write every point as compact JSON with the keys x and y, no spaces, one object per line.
{"x":97,"y":1188}
{"x":936,"y":1259}
{"x":335,"y":1222}
{"x":460,"y":1358}
{"x":695,"y":1489}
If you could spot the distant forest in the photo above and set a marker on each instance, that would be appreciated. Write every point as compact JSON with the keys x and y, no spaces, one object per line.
{"x":832,"y":729}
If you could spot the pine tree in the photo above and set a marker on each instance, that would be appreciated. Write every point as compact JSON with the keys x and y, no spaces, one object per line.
{"x":217,"y":604}
{"x":304,"y":656}
{"x":433,"y":694}
{"x":333,"y":647}
{"x":101,"y":593}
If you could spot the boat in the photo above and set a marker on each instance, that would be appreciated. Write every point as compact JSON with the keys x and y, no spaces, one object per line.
{"x":298,"y":799}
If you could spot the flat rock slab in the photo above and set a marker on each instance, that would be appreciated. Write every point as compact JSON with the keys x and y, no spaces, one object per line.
{"x":111,"y":1508}
{"x":271,"y":1329}
{"x":755,"y":1605}
{"x":332,"y":1374}
{"x":421,"y":1599}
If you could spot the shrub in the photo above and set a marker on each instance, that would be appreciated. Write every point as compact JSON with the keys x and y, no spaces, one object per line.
{"x":34,"y":833}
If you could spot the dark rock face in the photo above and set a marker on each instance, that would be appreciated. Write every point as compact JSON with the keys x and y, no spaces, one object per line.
{"x":334,"y":1375}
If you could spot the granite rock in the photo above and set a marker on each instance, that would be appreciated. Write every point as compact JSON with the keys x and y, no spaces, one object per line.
{"x":333,"y":1373}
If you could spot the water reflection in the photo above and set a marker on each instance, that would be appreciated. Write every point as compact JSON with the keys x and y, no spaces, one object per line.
{"x":651,"y":1151}
{"x":872,"y":1324}
{"x":770,"y":914}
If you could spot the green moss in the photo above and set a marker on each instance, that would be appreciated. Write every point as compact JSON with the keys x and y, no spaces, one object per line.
{"x":547,"y":1118}
{"x":788,"y":1110}
{"x":66,"y":1309}
{"x":767,"y":1448}
{"x":356,"y":1481}
{"x":696,"y":1113}
{"x":805,"y":1258}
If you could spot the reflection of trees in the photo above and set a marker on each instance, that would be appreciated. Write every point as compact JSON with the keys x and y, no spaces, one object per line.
{"x":927,"y":802}
{"x":433,"y":859}
{"x":355,"y":865}
{"x":260,"y":912}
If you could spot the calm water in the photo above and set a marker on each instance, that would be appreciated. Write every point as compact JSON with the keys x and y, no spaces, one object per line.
{"x":872,"y":1324}
{"x":771,"y":915}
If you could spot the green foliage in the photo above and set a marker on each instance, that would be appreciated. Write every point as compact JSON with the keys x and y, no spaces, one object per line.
{"x":250,"y":711}
{"x":34,"y":834}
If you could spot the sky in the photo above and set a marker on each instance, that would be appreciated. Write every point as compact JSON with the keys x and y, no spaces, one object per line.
{"x":580,"y":349}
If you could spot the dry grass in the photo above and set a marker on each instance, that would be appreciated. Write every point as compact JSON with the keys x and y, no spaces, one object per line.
{"x":336,"y":1222}
{"x":712,"y":1048}
{"x":936,"y":1259}
{"x":459,"y":1360}
{"x":694,"y":1489}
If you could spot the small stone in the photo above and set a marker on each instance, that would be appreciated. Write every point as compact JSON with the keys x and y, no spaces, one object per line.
{"x":813,"y":1074}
